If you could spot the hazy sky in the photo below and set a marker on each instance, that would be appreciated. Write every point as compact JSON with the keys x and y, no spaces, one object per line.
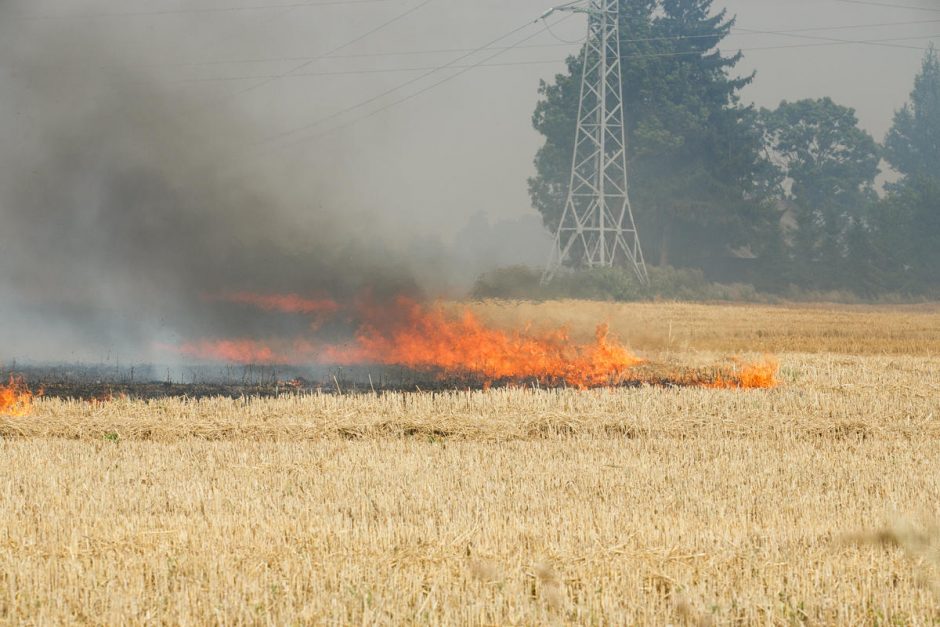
{"x":427,"y":165}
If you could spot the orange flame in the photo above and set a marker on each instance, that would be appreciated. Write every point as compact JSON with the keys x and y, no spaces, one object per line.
{"x":15,"y":398}
{"x":404,"y":332}
{"x":761,"y":375}
{"x":422,"y":338}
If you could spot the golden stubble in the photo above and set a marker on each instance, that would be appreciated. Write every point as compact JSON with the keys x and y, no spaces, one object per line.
{"x":633,"y":506}
{"x":680,"y":327}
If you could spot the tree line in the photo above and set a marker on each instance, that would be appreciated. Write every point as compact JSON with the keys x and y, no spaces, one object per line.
{"x":789,"y":194}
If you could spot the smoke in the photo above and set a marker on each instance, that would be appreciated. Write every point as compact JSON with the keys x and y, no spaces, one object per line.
{"x":125,"y":205}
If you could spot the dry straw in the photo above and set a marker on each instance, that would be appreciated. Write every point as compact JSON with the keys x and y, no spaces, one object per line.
{"x":642,"y":506}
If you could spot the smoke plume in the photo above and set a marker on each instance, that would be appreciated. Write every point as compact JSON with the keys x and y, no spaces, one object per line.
{"x":126,"y":206}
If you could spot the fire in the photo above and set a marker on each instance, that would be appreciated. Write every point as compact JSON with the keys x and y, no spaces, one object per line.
{"x":760,"y":375}
{"x":15,"y":398}
{"x":427,"y":339}
{"x":458,"y":346}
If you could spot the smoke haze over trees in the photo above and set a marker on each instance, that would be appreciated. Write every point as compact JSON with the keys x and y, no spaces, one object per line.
{"x":125,"y":200}
{"x":784,"y":197}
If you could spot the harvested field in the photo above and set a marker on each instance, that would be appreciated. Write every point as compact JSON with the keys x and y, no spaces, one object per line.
{"x":810,"y":503}
{"x":885,"y":394}
{"x":845,"y":329}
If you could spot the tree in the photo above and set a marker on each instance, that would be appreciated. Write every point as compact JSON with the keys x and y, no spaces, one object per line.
{"x":908,"y":227}
{"x":830,"y":166}
{"x":913,"y":143}
{"x":911,"y":222}
{"x":699,"y":181}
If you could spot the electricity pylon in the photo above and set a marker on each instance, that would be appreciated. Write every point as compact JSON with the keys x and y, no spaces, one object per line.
{"x":597,"y":227}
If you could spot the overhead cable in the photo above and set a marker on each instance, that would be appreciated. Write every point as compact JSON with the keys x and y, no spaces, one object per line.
{"x":342,"y":46}
{"x":412,"y":81}
{"x":158,"y":12}
{"x":887,"y":5}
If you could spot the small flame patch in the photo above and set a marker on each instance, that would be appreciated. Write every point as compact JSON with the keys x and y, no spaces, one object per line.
{"x":15,"y":398}
{"x":761,"y":375}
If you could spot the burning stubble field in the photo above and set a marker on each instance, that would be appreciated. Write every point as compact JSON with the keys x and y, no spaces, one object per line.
{"x":812,"y":502}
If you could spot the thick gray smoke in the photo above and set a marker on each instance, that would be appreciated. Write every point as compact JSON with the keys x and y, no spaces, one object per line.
{"x":124,"y":204}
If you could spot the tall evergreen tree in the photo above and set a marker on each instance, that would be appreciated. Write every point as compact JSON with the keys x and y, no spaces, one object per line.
{"x":699,"y":181}
{"x":913,"y":143}
{"x":910,"y":225}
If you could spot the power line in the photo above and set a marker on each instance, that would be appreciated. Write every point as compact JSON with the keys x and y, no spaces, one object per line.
{"x":426,"y":89}
{"x":355,"y":40}
{"x":355,"y":55}
{"x":851,"y":26}
{"x":257,"y":7}
{"x":872,"y":42}
{"x":368,"y":101}
{"x":563,"y":43}
{"x":428,"y":71}
{"x":281,"y":13}
{"x":368,"y":55}
{"x":358,"y":72}
{"x":885,"y":4}
{"x":526,"y":63}
{"x":549,"y":30}
{"x":483,"y":63}
{"x":452,"y":64}
{"x":381,"y":26}
{"x":839,"y":42}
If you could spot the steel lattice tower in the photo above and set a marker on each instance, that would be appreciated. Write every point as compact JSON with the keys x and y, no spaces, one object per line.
{"x":597,"y":227}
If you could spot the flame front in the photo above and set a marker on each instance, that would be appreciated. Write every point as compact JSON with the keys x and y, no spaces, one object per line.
{"x":15,"y":398}
{"x":458,"y":346}
{"x":427,"y":339}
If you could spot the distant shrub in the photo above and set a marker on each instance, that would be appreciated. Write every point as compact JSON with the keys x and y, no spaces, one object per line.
{"x":511,"y":283}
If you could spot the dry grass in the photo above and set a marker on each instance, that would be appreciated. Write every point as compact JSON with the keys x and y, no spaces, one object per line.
{"x":643,"y":506}
{"x":842,"y":329}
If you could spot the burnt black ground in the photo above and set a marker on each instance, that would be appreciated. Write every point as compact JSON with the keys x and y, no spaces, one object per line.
{"x":106,"y":382}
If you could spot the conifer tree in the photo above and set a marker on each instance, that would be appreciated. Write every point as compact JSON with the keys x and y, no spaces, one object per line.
{"x":699,"y":182}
